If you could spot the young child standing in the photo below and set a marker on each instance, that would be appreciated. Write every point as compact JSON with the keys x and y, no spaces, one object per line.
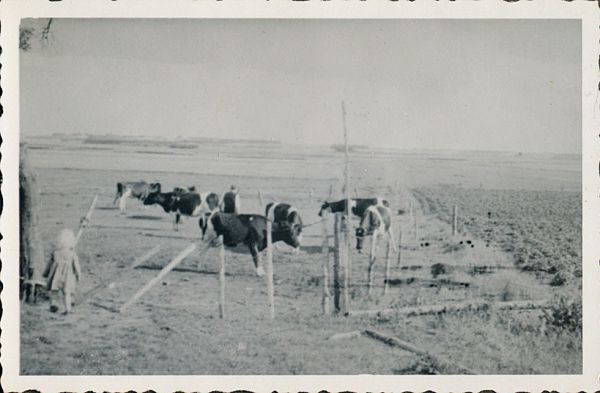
{"x":63,"y":270}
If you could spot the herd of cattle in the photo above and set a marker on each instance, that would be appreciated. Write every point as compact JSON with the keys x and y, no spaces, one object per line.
{"x":221,"y":216}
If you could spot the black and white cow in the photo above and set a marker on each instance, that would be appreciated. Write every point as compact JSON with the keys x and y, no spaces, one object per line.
{"x":136,"y":189}
{"x":183,"y":203}
{"x":248,"y":229}
{"x":231,"y":201}
{"x":284,"y":216}
{"x":358,"y":206}
{"x":375,"y":222}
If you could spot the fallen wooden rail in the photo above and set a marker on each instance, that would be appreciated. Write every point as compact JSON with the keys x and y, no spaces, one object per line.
{"x":454,"y":307}
{"x":180,"y":257}
{"x":85,"y":220}
{"x":436,"y":282}
{"x":138,"y":261}
{"x":436,"y":362}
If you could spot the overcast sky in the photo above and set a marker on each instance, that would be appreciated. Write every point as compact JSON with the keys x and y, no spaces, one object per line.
{"x":444,"y":84}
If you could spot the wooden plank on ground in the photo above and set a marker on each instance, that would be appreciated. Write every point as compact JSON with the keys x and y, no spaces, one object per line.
{"x":437,"y":362}
{"x":180,"y":257}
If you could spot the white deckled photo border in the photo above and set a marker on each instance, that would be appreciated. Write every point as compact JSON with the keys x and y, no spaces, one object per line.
{"x":12,"y":11}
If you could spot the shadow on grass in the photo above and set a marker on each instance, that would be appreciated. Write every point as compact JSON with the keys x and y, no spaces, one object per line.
{"x":144,"y":217}
{"x":182,"y":269}
{"x":311,"y":249}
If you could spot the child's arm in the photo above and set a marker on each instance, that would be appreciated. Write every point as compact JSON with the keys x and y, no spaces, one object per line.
{"x":76,"y":266}
{"x":48,"y":266}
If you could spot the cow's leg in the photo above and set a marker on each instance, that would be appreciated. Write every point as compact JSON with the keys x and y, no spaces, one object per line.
{"x":257,"y":260}
{"x":390,"y":234}
{"x":372,"y":258}
{"x":117,"y":196}
{"x":177,"y":219}
{"x":123,"y":200}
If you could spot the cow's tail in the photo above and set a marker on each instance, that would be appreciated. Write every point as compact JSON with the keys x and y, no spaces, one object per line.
{"x":120,"y":189}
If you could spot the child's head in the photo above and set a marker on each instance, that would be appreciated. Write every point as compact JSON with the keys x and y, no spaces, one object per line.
{"x":65,"y":240}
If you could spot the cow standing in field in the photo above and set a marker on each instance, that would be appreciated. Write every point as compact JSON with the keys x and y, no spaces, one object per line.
{"x":358,"y":205}
{"x":180,"y":203}
{"x":231,"y":201}
{"x":375,"y":222}
{"x":248,"y":229}
{"x":138,"y":190}
{"x":284,"y":216}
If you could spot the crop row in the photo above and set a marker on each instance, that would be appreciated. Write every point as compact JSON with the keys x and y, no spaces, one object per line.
{"x":542,"y":229}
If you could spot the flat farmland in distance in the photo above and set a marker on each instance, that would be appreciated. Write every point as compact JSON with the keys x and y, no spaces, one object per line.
{"x":175,"y":327}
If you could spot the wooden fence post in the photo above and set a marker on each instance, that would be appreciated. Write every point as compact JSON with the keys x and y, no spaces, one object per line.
{"x":454,"y":220}
{"x":399,"y":244}
{"x":415,"y":226}
{"x":260,"y":199}
{"x":345,"y":264}
{"x":325,"y":252}
{"x":387,"y":265}
{"x":330,"y":192}
{"x":222,"y":278}
{"x":336,"y":263}
{"x":270,"y":271}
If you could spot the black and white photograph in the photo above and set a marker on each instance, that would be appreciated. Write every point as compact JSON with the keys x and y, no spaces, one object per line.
{"x":213,"y":196}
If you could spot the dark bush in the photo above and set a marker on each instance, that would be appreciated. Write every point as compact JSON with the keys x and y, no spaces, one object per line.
{"x":564,"y":314}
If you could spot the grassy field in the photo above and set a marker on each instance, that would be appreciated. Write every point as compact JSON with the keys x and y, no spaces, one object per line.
{"x":175,"y":328}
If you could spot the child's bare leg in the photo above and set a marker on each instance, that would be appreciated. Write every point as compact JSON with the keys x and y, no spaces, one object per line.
{"x":67,"y":299}
{"x":53,"y":296}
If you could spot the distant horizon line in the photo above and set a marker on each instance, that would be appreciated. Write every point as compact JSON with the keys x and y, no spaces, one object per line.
{"x":199,"y":139}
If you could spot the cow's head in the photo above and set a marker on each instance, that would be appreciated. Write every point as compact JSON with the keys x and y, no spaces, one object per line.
{"x":211,"y":202}
{"x":154,"y":187}
{"x":325,"y":208}
{"x":289,"y":231}
{"x":152,"y":194}
{"x":209,"y":223}
{"x":368,"y":223}
{"x":360,"y":234}
{"x":294,"y":223}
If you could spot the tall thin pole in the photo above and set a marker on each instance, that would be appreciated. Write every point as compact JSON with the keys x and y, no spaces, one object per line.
{"x":454,"y":220}
{"x":325,"y":252}
{"x":270,"y":271}
{"x":399,"y":243}
{"x":347,"y":260}
{"x":336,"y":263}
{"x":387,"y":265}
{"x":260,"y":199}
{"x":222,"y":278}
